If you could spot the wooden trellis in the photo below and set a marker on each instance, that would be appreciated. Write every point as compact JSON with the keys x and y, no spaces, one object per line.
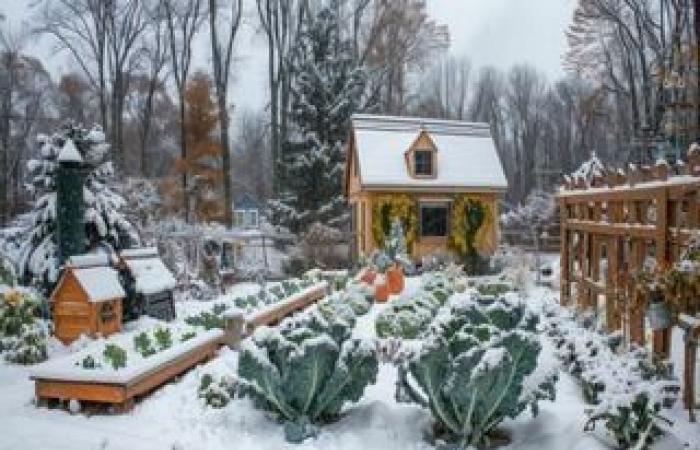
{"x":611,"y":227}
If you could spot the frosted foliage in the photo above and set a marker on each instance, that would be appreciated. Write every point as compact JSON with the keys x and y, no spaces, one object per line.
{"x":38,"y":257}
{"x":328,"y":88}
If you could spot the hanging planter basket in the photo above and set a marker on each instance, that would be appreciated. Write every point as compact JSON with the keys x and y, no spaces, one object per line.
{"x":657,"y":312}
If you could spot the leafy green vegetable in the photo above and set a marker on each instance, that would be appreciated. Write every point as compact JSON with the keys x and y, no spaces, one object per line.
{"x":408,"y":317}
{"x":187,"y":336}
{"x":216,"y":394}
{"x":164,"y":338}
{"x":471,"y":368}
{"x":115,"y":355}
{"x":144,"y":344}
{"x":306,"y":371}
{"x":495,"y":289}
{"x":88,"y":363}
{"x":633,"y":425}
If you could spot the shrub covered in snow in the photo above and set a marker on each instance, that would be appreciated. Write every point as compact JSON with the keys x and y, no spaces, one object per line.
{"x":476,"y":366}
{"x":627,"y":390}
{"x":305,"y":371}
{"x":22,"y":334}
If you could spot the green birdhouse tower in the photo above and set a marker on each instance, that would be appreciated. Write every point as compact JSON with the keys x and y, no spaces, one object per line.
{"x":69,"y":202}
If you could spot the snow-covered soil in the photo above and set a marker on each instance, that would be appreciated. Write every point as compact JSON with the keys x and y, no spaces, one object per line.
{"x":175,"y":418}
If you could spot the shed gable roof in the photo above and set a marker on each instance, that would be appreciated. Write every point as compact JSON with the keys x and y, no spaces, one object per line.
{"x":467,"y":157}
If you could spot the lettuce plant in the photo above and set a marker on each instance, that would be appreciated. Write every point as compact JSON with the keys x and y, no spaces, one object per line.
{"x":476,"y":366}
{"x":305,"y":371}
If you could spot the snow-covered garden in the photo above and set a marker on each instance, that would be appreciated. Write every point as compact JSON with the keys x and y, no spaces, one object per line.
{"x":452,"y":360}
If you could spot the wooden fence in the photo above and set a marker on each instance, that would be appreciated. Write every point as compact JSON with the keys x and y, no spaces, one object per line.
{"x":615,"y":225}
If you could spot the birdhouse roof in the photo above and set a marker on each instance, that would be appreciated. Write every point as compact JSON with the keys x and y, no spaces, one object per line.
{"x":69,"y":152}
{"x":100,"y":283}
{"x":148,"y":271}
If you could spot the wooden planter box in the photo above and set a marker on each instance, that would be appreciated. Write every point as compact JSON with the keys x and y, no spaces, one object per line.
{"x":272,"y":314}
{"x":61,"y":380}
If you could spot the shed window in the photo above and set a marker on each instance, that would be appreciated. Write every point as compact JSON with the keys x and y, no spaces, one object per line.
{"x":433,"y":220}
{"x":423,"y":162}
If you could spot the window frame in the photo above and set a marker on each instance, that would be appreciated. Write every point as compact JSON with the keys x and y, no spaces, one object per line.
{"x":430,"y":154}
{"x":434,"y":205}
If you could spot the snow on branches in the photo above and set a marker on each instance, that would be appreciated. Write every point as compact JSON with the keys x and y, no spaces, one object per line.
{"x":105,"y":225}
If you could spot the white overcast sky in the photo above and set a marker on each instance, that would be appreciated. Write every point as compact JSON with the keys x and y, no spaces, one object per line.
{"x":496,"y":32}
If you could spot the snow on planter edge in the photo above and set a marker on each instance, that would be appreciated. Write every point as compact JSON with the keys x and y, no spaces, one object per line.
{"x":65,"y":368}
{"x":253,"y":317}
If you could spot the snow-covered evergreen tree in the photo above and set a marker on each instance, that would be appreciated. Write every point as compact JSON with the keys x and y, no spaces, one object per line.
{"x":105,"y":225}
{"x":328,"y":89}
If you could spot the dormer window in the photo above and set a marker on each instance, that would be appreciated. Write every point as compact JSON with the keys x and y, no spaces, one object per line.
{"x":421,"y":157}
{"x":423,"y":163}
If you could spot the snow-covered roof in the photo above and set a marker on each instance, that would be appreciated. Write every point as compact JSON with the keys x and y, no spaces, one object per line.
{"x":69,"y":153}
{"x":150,"y":274}
{"x":466,"y":153}
{"x":100,"y":283}
{"x":89,"y":260}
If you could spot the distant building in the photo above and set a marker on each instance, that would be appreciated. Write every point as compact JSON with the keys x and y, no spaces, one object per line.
{"x":441,"y":178}
{"x":246,"y":211}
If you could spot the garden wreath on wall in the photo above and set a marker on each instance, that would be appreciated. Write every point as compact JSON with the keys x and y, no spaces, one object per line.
{"x":389,"y":207}
{"x":471,"y":226}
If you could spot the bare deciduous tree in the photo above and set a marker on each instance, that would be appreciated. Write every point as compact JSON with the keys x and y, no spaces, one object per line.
{"x":222,"y":56}
{"x":183,"y":19}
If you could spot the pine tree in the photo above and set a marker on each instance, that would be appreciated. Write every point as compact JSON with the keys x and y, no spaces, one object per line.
{"x":105,"y":225}
{"x":203,"y":164}
{"x":328,"y":90}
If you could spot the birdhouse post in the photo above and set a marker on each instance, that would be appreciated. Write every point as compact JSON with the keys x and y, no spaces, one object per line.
{"x":69,"y":202}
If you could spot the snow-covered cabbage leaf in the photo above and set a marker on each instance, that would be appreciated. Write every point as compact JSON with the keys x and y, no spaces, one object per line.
{"x":473,"y":369}
{"x":305,"y":371}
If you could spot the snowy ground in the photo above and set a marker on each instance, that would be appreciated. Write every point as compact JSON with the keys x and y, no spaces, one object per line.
{"x":174,"y":418}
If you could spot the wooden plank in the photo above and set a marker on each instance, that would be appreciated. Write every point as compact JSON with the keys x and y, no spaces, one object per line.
{"x":121,"y":394}
{"x":83,"y":391}
{"x":152,"y":380}
{"x":613,"y":229}
{"x":275,"y":314}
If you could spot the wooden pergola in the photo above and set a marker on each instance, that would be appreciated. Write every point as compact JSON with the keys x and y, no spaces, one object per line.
{"x":614,"y":225}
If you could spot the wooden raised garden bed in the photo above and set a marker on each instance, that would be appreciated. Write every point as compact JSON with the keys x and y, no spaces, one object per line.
{"x":272,"y":314}
{"x":61,"y":380}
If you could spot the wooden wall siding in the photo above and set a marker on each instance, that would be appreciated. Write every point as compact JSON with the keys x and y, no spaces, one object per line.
{"x":364,"y":239}
{"x":630,"y":222}
{"x":74,"y":314}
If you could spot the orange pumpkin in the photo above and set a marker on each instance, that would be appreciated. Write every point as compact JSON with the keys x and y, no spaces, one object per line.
{"x":368,"y":276}
{"x":381,"y":292}
{"x":395,"y":280}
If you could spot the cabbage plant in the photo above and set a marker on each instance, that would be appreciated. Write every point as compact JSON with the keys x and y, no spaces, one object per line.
{"x":476,"y":366}
{"x":305,"y":370}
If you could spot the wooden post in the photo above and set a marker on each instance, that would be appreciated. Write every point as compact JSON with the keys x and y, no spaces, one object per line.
{"x":565,"y":256}
{"x":235,"y":327}
{"x":662,"y":339}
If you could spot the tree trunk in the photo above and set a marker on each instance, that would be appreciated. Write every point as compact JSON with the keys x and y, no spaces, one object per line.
{"x":696,"y":24}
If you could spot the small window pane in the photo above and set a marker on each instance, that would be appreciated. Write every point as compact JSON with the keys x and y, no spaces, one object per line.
{"x":434,"y":221}
{"x":424,"y":162}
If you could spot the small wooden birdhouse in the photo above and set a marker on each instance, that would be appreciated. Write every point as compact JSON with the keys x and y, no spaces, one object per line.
{"x":149,"y":284}
{"x":87,"y":299}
